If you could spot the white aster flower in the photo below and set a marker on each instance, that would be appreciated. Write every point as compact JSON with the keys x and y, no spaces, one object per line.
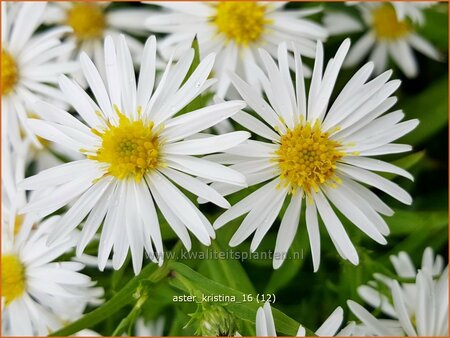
{"x":415,"y":308}
{"x":318,"y":151}
{"x":234,"y":30}
{"x":38,"y":294}
{"x":265,"y":325}
{"x":91,"y":22}
{"x":30,"y":65}
{"x":390,"y":32}
{"x":134,"y":147}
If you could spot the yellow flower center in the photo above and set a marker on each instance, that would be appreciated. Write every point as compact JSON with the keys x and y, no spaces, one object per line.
{"x":9,"y":73}
{"x":13,"y":278}
{"x":132,"y":148}
{"x":243,"y":22}
{"x":307,"y":157}
{"x":386,"y":24}
{"x":87,"y":21}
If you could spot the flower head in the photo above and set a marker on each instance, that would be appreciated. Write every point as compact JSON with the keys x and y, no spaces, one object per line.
{"x":30,"y":64}
{"x":134,"y":148}
{"x":318,"y":152}
{"x":40,"y":291}
{"x":234,"y":31}
{"x":90,"y":22}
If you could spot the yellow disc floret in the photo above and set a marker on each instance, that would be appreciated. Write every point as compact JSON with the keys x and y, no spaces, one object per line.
{"x":9,"y":73}
{"x":13,"y":278}
{"x":242,"y":22}
{"x":132,"y":148}
{"x":87,"y":20}
{"x":307,"y":157}
{"x":386,"y":24}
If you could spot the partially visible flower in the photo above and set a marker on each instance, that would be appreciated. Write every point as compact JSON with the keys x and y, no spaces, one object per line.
{"x":234,"y":31}
{"x":30,"y":65}
{"x":265,"y":325}
{"x":91,"y":22}
{"x":318,"y":152}
{"x":390,"y":32}
{"x":39,"y":293}
{"x":134,"y":148}
{"x":413,"y":308}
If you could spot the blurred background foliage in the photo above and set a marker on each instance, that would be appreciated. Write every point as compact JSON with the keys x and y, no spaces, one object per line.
{"x":301,"y":295}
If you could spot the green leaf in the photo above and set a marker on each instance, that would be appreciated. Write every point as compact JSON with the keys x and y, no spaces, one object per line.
{"x":431,"y":108}
{"x":405,"y":222}
{"x":184,"y":278}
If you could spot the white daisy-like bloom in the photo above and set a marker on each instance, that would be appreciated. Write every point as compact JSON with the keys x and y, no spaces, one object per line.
{"x":234,"y":31}
{"x":30,"y":65}
{"x":134,"y":148}
{"x":91,"y":22}
{"x":39,"y":295}
{"x":317,"y":151}
{"x":265,"y":324}
{"x":390,"y":32}
{"x":415,"y":308}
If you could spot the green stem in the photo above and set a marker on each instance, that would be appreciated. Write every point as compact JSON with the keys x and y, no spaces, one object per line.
{"x":131,"y":317}
{"x":122,"y":298}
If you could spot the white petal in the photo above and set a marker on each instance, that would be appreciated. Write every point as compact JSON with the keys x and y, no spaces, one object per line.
{"x":127,"y":77}
{"x":424,"y":47}
{"x":147,"y":72}
{"x":403,"y":56}
{"x":312,"y":226}
{"x":360,"y":49}
{"x":288,"y":229}
{"x":174,"y":222}
{"x":332,"y":324}
{"x":61,"y":174}
{"x":350,"y":210}
{"x":377,"y":181}
{"x":401,"y":310}
{"x":181,"y":206}
{"x":196,"y":186}
{"x":96,"y":84}
{"x":368,"y":319}
{"x":377,"y":165}
{"x":206,"y":169}
{"x":207,"y":145}
{"x":245,"y":205}
{"x":199,"y":120}
{"x":335,"y":228}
